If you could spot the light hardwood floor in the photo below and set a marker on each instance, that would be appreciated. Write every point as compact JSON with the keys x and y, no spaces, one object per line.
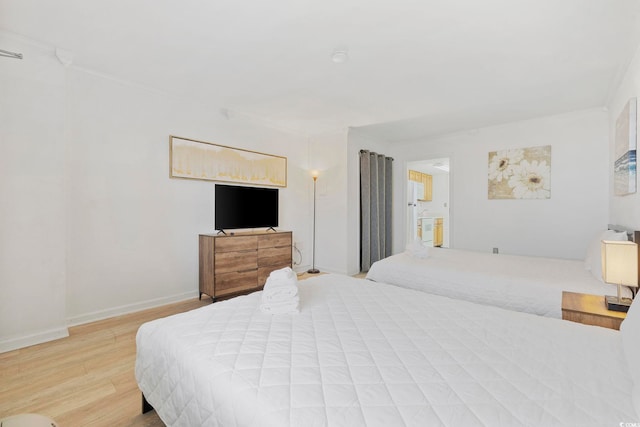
{"x":86,"y":379}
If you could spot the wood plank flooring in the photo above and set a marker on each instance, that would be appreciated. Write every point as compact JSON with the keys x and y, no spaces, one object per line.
{"x":86,"y":379}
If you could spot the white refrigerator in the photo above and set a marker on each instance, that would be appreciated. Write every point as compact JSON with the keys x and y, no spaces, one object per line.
{"x":415,"y":190}
{"x":427,"y":225}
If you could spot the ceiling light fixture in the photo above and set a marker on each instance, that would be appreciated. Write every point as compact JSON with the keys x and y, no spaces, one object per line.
{"x":339,"y":56}
{"x":441,"y":166}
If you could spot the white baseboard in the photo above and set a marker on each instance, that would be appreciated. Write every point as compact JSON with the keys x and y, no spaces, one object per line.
{"x":129,"y":308}
{"x":33,"y":339}
{"x":54,"y":334}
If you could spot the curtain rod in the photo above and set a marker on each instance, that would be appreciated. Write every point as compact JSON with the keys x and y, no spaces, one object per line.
{"x":373,"y":152}
{"x":10,"y":54}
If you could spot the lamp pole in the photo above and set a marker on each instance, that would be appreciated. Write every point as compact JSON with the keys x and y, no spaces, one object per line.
{"x":313,"y":269}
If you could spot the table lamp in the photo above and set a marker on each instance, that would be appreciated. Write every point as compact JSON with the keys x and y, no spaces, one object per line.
{"x":619,"y":267}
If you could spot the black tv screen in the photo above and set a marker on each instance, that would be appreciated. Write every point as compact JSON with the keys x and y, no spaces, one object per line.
{"x":245,"y":207}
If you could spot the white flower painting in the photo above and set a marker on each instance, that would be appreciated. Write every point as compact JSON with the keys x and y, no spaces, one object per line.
{"x":502,"y":164}
{"x":523,"y":173}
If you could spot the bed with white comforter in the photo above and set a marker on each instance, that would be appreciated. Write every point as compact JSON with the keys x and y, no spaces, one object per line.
{"x":521,"y":283}
{"x":362,"y":353}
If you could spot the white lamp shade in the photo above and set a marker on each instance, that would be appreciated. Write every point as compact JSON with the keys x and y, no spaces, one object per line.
{"x":620,"y":263}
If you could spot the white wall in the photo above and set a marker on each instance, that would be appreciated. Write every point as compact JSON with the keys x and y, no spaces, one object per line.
{"x":133,"y":231}
{"x":558,"y":227}
{"x":625,"y":210}
{"x":328,"y":155}
{"x":92,"y":225}
{"x":32,"y":208}
{"x":336,"y":156}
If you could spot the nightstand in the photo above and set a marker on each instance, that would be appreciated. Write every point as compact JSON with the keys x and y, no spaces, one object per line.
{"x":590,"y":310}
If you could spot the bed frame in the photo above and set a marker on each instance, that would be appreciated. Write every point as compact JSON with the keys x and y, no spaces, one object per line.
{"x":146,"y":406}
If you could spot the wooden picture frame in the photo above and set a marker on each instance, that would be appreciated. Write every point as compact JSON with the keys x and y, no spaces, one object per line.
{"x":193,"y":159}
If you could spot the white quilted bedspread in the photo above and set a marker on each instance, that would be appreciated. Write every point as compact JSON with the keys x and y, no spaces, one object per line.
{"x":528,"y":284}
{"x":363,"y":353}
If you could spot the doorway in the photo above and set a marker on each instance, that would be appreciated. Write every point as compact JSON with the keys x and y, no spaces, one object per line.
{"x":428,"y":207}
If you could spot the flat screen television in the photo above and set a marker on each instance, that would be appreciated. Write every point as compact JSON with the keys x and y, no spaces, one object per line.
{"x":245,"y":207}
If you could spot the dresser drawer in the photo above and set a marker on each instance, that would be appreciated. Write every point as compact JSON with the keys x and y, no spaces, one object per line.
{"x":227,"y":262}
{"x":274,"y":240}
{"x":236,"y":282}
{"x":273,"y":256}
{"x":236,"y":243}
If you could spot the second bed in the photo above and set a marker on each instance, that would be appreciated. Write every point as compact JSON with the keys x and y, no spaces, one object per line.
{"x":520,"y":283}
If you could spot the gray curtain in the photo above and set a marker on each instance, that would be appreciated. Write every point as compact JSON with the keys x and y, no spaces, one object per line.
{"x":375,"y":207}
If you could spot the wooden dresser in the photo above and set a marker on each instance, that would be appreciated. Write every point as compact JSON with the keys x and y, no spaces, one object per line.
{"x":241,"y":263}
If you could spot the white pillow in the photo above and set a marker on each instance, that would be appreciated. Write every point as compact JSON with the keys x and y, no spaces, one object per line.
{"x":593,"y":260}
{"x":630,"y":331}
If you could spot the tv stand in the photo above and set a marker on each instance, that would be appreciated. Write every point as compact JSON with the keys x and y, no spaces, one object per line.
{"x":221,"y":231}
{"x":271,"y":228}
{"x":240,"y":263}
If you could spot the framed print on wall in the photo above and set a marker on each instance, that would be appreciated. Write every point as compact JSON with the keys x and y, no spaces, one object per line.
{"x":624,"y":167}
{"x":520,"y":173}
{"x":192,"y":159}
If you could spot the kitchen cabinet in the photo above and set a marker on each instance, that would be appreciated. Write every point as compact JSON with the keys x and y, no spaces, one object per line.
{"x":426,"y":182}
{"x":438,"y":232}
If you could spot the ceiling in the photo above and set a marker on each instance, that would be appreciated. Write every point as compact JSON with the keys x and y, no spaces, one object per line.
{"x":432,"y":166}
{"x":415,"y":67}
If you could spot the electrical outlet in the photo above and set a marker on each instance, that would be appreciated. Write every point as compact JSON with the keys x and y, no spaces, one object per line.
{"x":495,"y":250}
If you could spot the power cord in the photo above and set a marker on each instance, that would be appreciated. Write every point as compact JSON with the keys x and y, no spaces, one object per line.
{"x":299,"y":254}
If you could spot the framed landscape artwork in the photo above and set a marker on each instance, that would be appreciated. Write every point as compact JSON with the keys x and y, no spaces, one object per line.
{"x":520,"y":173}
{"x":624,"y":168}
{"x":193,"y":159}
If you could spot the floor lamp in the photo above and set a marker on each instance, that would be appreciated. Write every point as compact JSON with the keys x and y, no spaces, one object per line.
{"x":313,"y":269}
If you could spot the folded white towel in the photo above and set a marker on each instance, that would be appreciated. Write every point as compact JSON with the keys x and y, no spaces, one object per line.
{"x":279,"y":293}
{"x":281,"y":283}
{"x":417,"y":249}
{"x":283,"y":274}
{"x":272,"y":283}
{"x":287,"y":307}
